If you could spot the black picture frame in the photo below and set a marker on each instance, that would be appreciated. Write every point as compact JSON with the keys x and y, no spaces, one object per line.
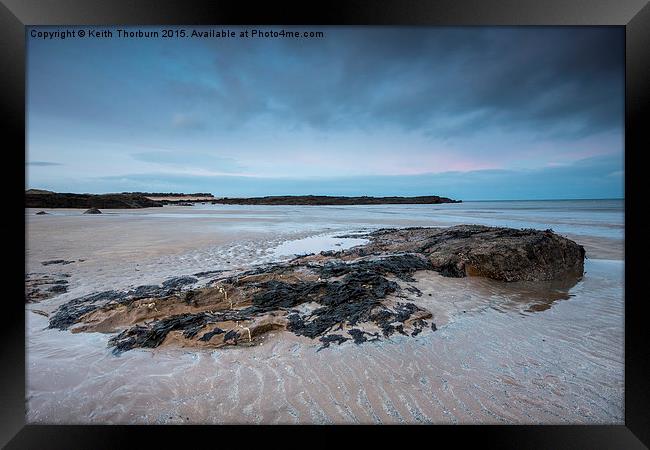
{"x":15,"y":15}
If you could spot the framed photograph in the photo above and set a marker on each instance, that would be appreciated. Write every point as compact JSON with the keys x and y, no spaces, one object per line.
{"x":406,"y":213}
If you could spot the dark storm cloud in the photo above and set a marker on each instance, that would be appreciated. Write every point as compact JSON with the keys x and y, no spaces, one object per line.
{"x":441,"y":81}
{"x":548,"y":80}
{"x":393,"y":108}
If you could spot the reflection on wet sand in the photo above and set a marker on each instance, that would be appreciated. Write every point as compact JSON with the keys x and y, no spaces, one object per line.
{"x":447,"y":297}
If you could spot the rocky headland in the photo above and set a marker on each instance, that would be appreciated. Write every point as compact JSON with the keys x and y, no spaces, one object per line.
{"x":35,"y":198}
{"x":362,"y":294}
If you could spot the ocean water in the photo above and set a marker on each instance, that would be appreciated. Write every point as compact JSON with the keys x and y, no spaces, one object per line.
{"x":504,"y":353}
{"x":601,"y":218}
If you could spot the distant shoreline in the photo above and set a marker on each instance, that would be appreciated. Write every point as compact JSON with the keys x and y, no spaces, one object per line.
{"x":35,"y":198}
{"x":333,"y":200}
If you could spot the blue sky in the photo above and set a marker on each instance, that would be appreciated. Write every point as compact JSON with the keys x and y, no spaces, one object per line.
{"x":468,"y":113}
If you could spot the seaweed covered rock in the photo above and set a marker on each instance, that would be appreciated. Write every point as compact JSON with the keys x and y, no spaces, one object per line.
{"x":402,"y":266}
{"x":74,"y":311}
{"x":153,"y":335}
{"x":239,"y":310}
{"x":41,"y":286}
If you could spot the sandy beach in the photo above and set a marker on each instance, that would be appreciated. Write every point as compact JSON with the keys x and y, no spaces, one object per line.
{"x":503,"y":353}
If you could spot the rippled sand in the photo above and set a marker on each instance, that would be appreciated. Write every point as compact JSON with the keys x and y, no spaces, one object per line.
{"x":503,"y":353}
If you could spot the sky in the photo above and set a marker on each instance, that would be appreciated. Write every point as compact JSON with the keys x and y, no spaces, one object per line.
{"x":475,"y":113}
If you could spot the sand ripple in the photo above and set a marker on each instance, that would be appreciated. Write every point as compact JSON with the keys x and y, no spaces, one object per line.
{"x":489,"y":365}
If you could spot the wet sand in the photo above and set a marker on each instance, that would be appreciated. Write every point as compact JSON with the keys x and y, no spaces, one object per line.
{"x":600,"y":247}
{"x":503,"y":353}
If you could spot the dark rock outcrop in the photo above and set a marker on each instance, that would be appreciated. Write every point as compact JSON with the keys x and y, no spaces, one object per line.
{"x":71,"y":312}
{"x":178,"y":282}
{"x":504,"y":254}
{"x":208,"y":273}
{"x":62,"y":262}
{"x":92,"y":211}
{"x":152,"y":336}
{"x":41,"y":286}
{"x":351,"y":294}
{"x":402,"y":266}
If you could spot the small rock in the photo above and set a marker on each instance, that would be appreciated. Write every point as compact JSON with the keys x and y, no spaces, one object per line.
{"x":56,"y":261}
{"x":93,"y":211}
{"x":58,"y":289}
